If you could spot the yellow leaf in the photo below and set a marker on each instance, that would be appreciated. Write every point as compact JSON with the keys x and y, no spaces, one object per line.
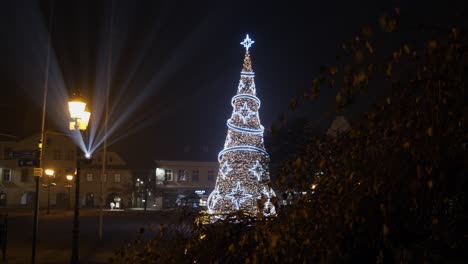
{"x":273,"y":241}
{"x":369,"y":47}
{"x":385,"y":230}
{"x":383,"y":22}
{"x":359,"y":56}
{"x":388,"y":72}
{"x":298,"y":162}
{"x":391,"y":25}
{"x":432,"y":44}
{"x":340,"y":189}
{"x":232,"y":248}
{"x":332,"y":69}
{"x":406,"y":49}
{"x":293,"y":103}
{"x":322,"y":163}
{"x":339,"y":98}
{"x":429,"y":184}
{"x":429,"y":170}
{"x":315,"y":92}
{"x":362,"y":76}
{"x":429,"y":131}
{"x":406,"y":145}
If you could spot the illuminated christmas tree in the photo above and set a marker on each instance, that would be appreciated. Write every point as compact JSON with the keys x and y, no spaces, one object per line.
{"x":243,"y":177}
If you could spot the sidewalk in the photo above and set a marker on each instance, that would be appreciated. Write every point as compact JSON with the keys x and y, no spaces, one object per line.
{"x":17,"y":211}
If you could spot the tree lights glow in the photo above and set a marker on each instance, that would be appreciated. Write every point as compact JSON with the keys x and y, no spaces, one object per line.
{"x":243,"y":177}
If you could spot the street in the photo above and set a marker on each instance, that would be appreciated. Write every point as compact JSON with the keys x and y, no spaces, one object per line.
{"x":55,"y":233}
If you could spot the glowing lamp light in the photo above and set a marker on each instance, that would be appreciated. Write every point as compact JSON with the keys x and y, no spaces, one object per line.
{"x":80,"y":117}
{"x":49,"y":172}
{"x":69,"y":177}
{"x":87,"y":155}
{"x":83,"y":121}
{"x":76,"y":108}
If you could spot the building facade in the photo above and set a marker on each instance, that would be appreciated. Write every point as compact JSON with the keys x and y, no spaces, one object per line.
{"x":19,"y":157}
{"x":174,"y":182}
{"x":113,"y":183}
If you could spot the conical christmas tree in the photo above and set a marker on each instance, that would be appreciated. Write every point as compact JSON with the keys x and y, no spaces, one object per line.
{"x":243,"y":177}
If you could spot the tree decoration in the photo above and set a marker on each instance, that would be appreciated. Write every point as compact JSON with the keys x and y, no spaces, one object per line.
{"x":243,"y":177}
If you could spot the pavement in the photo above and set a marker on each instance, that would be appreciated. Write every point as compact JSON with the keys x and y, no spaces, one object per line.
{"x":120,"y":227}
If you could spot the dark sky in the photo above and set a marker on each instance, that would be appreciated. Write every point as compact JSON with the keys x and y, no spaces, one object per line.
{"x":176,"y":64}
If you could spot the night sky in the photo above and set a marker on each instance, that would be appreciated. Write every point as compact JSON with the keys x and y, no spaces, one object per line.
{"x":175,"y":64}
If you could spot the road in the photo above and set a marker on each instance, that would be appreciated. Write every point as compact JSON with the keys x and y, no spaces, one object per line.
{"x":55,"y":234}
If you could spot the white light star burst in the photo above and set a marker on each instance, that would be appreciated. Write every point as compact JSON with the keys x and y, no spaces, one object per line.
{"x":225,"y":169}
{"x":241,"y":86}
{"x":245,"y":113}
{"x":238,"y":195}
{"x":213,"y":199}
{"x":257,"y":170}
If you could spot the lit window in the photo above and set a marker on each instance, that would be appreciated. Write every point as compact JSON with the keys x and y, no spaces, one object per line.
{"x":210,"y":175}
{"x":168,"y":175}
{"x":89,"y":177}
{"x":6,"y":175}
{"x":195,"y":175}
{"x":116,"y":177}
{"x":182,"y":176}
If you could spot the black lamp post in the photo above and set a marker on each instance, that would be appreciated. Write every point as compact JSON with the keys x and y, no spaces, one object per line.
{"x":68,"y":186}
{"x":80,"y":120}
{"x":50,"y":174}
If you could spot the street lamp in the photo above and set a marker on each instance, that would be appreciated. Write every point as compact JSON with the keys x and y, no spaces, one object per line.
{"x":50,"y":174}
{"x":68,"y":186}
{"x":79,"y":122}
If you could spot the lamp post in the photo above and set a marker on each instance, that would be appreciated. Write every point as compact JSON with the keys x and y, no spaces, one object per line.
{"x":50,"y":174}
{"x":79,"y":122}
{"x":68,"y":186}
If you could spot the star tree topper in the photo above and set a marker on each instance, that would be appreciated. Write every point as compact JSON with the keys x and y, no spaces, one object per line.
{"x":247,"y":43}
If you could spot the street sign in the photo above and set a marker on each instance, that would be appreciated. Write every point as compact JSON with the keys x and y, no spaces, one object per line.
{"x":28,"y":162}
{"x":29,"y":154}
{"x":37,"y":172}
